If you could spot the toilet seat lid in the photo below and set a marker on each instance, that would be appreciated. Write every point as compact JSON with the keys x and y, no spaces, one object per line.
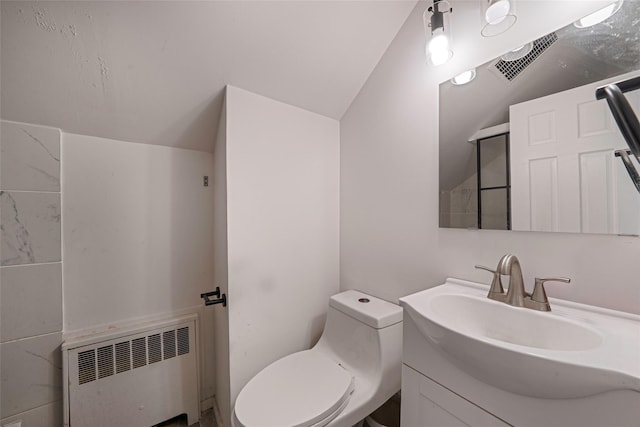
{"x":298,"y":390}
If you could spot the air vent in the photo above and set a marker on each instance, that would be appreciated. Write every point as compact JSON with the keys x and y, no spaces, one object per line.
{"x":105,"y":361}
{"x":123,"y":356}
{"x":139,"y":352}
{"x":512,"y":69}
{"x":86,"y":366}
{"x":183,"y":341}
{"x":169,"y":344}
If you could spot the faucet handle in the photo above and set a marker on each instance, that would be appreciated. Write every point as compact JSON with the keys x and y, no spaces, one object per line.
{"x":496,"y":283}
{"x":540,"y":296}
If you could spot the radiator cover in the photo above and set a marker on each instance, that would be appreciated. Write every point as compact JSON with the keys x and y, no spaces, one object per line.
{"x":138,"y":376}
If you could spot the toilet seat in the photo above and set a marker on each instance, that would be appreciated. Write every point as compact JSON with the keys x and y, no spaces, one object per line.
{"x":304,"y":389}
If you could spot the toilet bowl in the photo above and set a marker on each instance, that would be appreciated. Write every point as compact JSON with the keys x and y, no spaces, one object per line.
{"x":353,"y":369}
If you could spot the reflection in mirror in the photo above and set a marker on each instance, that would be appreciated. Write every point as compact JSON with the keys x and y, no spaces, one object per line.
{"x":555,"y":169}
{"x":494,"y":210}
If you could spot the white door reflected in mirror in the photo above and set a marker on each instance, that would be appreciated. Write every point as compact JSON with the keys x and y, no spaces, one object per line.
{"x":564,"y":173}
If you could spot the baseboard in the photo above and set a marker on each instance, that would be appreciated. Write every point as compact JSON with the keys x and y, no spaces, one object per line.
{"x":216,"y":413}
{"x":206,"y":404}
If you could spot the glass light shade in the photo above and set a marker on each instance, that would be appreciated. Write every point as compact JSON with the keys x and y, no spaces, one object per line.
{"x":464,"y":78}
{"x":497,"y":11}
{"x":436,"y":25}
{"x":599,"y":15}
{"x":497,"y":16}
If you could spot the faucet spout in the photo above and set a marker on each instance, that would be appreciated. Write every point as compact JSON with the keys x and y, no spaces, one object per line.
{"x":510,"y":266}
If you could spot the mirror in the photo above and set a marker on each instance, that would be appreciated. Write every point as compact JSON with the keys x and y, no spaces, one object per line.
{"x":524,"y":122}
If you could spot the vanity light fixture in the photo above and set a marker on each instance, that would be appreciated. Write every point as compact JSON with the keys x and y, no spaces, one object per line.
{"x":599,"y":15}
{"x":436,"y":21}
{"x":497,"y":16}
{"x":464,"y":78}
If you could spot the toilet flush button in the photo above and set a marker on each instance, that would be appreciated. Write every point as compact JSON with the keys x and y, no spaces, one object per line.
{"x":363,"y":299}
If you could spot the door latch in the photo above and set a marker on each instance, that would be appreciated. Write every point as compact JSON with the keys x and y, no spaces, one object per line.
{"x":220,"y":299}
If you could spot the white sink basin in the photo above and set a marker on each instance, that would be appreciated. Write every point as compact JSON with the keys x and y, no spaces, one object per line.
{"x":471,"y":316}
{"x":573,"y":351}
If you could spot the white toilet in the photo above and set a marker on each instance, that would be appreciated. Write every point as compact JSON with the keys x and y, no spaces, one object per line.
{"x":354,"y":368}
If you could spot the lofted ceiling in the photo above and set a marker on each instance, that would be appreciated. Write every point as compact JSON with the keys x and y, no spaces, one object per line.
{"x":154,"y":71}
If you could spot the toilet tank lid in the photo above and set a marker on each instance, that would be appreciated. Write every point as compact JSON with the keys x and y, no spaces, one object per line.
{"x":373,"y":311}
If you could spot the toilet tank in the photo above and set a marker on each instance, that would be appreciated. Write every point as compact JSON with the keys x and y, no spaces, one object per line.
{"x":363,"y":333}
{"x":369,"y":310}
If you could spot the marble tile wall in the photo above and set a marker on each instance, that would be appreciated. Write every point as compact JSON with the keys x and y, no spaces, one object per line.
{"x":464,"y":204}
{"x":30,"y":275}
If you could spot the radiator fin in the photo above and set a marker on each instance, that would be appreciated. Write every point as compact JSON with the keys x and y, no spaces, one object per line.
{"x":183,"y":341}
{"x":86,"y":366}
{"x":105,"y":361}
{"x":123,"y":356}
{"x":169,"y":344}
{"x":139,"y":350}
{"x":154,"y":348}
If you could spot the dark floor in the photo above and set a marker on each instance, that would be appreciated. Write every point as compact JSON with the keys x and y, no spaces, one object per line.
{"x":207,"y":419}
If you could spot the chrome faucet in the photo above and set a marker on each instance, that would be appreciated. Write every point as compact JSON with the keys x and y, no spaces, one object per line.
{"x":510,"y":266}
{"x":516,"y":294}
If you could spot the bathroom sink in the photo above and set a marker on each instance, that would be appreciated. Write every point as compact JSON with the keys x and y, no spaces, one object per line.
{"x":472,"y":316}
{"x":573,"y":351}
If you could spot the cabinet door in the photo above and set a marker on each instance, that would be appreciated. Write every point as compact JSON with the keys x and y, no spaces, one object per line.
{"x":425,"y":403}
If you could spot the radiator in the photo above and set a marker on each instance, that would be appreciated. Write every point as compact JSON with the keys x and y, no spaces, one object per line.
{"x":135,"y":377}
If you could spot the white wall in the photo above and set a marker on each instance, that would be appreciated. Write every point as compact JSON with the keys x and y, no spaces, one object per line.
{"x":282,"y":183}
{"x":390,"y":242}
{"x":220,"y":270}
{"x":137,"y":236}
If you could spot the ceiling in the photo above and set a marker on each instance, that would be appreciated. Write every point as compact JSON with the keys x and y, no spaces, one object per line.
{"x":154,"y":71}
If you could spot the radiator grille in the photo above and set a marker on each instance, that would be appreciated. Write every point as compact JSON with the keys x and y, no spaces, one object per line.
{"x":169,"y":344}
{"x":123,"y":356}
{"x":511,"y":69}
{"x":86,"y":366}
{"x":155,"y":348}
{"x":183,"y":341}
{"x":139,"y":351}
{"x":105,"y":361}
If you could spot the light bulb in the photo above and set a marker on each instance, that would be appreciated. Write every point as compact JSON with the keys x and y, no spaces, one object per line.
{"x":440,"y":57}
{"x":438,"y":50}
{"x":497,"y":11}
{"x":438,"y":43}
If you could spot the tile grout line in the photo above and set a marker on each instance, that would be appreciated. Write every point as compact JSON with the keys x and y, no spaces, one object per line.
{"x":19,"y":414}
{"x":30,"y":191}
{"x":30,"y":264}
{"x":28,"y":338}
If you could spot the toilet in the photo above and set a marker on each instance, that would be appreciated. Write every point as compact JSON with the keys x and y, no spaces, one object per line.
{"x":353,"y":369}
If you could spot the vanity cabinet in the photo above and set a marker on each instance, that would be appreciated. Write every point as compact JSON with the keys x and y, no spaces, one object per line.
{"x":426,"y":403}
{"x":437,"y":393}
